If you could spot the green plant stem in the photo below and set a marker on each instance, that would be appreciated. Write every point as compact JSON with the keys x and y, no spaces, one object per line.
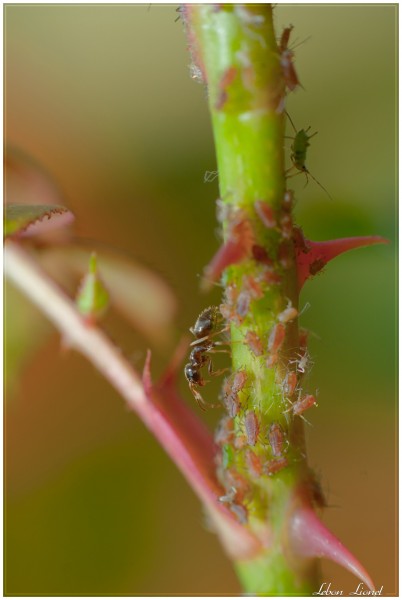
{"x":236,"y":49}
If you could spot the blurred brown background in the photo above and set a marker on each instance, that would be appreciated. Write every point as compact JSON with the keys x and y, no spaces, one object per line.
{"x":101,"y":97}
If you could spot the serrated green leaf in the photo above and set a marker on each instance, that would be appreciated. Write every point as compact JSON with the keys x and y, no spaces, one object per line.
{"x":19,"y":217}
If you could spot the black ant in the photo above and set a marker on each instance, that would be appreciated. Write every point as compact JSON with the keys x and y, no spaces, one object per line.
{"x":204,"y":329}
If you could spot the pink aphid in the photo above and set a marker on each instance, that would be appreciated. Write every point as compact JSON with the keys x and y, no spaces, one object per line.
{"x":238,"y":483}
{"x":276,"y":439}
{"x":253,"y":287}
{"x":239,"y":381}
{"x":265,"y":213}
{"x":290,"y":383}
{"x":230,"y":392}
{"x":275,"y":465}
{"x":232,"y":404}
{"x":276,"y":338}
{"x":288,"y":200}
{"x":254,"y":464}
{"x":240,"y":511}
{"x":240,"y":442}
{"x":254,"y":343}
{"x":288,"y":314}
{"x":261,"y":255}
{"x":252,"y":427}
{"x":272,"y":360}
{"x":269,"y":276}
{"x":243,"y":303}
{"x":225,"y":432}
{"x":286,"y":226}
{"x":228,"y":308}
{"x":304,"y":404}
{"x":286,"y":60}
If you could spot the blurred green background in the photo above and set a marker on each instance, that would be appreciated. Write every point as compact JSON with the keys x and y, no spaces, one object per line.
{"x":101,"y":97}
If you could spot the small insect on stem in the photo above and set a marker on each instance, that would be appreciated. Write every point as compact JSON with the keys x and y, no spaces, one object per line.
{"x":286,"y":60}
{"x":254,"y":464}
{"x":275,"y":465}
{"x":232,"y":387}
{"x":288,"y":314}
{"x":276,"y":439}
{"x":254,"y":343}
{"x":252,"y":427}
{"x":289,"y":384}
{"x":276,"y":338}
{"x":303,"y":404}
{"x":299,"y":153}
{"x":204,"y":329}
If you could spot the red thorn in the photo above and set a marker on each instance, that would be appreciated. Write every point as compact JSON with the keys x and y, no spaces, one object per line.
{"x":238,"y":246}
{"x":309,"y":538}
{"x":228,"y":254}
{"x":311,"y":257}
{"x":146,"y":374}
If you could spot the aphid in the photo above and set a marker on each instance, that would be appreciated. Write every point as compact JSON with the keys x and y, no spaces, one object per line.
{"x":286,"y":226}
{"x":225,"y":432}
{"x":229,"y":309}
{"x":266,"y":214}
{"x":252,"y":427}
{"x":232,"y":386}
{"x":276,"y":438}
{"x":269,"y":276}
{"x":303,"y":404}
{"x":239,"y":380}
{"x":289,"y":384}
{"x":243,"y":303}
{"x":232,"y":404}
{"x":299,"y":153}
{"x":253,"y":287}
{"x":300,"y":242}
{"x":276,"y":338}
{"x":303,"y":362}
{"x":240,"y":442}
{"x":240,"y":511}
{"x":288,"y":200}
{"x":272,"y":360}
{"x":254,"y":464}
{"x":275,"y":465}
{"x":286,"y":59}
{"x":288,"y":314}
{"x":238,"y":483}
{"x":229,"y":497}
{"x":254,"y":343}
{"x":317,"y":265}
{"x":261,"y":255}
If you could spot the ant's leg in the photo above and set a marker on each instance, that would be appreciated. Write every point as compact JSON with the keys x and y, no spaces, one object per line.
{"x":200,"y":400}
{"x":294,"y":174}
{"x":208,"y":337}
{"x":216,"y":373}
